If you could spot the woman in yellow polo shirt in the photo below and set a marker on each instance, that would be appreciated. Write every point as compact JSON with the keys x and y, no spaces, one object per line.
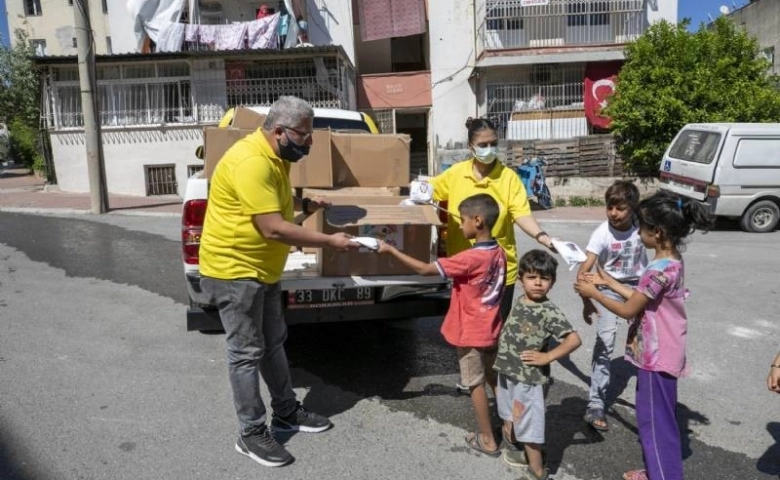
{"x":484,"y":173}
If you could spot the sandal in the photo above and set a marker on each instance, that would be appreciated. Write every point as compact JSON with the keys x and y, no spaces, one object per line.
{"x":635,"y":475}
{"x":530,"y":475}
{"x":474,"y":440}
{"x":594,"y":415}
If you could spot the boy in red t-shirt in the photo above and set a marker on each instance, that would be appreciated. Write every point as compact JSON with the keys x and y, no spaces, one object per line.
{"x":473,"y":321}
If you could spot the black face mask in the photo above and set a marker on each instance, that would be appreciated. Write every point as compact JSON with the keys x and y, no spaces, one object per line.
{"x":292,"y":152}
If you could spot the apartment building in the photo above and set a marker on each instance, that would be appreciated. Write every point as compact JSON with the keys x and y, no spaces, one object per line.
{"x":541,"y":69}
{"x":761,"y":19}
{"x":49,"y":24}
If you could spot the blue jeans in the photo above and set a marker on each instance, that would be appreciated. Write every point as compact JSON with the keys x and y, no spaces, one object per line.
{"x":606,"y":331}
{"x":255,"y":331}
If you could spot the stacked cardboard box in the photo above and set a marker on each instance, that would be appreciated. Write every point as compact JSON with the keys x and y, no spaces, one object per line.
{"x":361,"y":175}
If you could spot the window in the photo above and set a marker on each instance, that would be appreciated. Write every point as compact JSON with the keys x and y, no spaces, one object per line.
{"x":70,"y":2}
{"x":757,"y":152}
{"x":73,"y":42}
{"x":193,"y":169}
{"x":696,"y":146}
{"x":588,"y":13}
{"x":129,"y":94}
{"x":109,"y":50}
{"x":40,"y":46}
{"x":105,"y":6}
{"x":32,"y":8}
{"x":504,"y":15}
{"x":160,"y":180}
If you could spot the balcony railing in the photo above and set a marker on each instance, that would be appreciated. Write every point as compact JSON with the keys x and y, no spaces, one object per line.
{"x":547,"y":104}
{"x":557,"y":23}
{"x":187,"y":99}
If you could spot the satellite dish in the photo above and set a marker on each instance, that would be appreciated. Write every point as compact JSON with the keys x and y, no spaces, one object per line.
{"x":724,"y":10}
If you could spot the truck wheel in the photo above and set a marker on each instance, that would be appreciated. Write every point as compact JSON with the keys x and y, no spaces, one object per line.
{"x":761,"y":217}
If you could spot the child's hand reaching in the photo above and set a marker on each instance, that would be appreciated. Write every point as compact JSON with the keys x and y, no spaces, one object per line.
{"x":537,"y":359}
{"x":385,"y":247}
{"x":586,"y":288}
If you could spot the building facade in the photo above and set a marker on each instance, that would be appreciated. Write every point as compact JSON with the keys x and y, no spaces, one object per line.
{"x":50,"y":24}
{"x":761,"y":19}
{"x":540,"y":69}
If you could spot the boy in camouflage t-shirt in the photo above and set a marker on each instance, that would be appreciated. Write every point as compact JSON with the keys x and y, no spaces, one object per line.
{"x":523,"y":364}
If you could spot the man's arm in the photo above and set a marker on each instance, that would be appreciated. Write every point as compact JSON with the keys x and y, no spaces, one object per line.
{"x":274,"y":227}
{"x":570,"y":343}
{"x":422,"y":268}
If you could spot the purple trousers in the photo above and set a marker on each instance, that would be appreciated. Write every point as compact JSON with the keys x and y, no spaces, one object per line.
{"x":656,"y":416}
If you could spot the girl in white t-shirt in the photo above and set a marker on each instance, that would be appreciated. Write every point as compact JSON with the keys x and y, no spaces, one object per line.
{"x":618,"y":249}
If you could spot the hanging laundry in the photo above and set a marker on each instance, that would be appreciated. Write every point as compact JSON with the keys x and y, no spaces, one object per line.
{"x":391,"y":18}
{"x":208,"y":34}
{"x":262,"y":33}
{"x":170,"y":37}
{"x":231,"y":37}
{"x":191,"y":32}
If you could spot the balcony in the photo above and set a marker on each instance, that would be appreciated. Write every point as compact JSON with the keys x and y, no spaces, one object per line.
{"x":558,"y":24}
{"x":394,"y":90}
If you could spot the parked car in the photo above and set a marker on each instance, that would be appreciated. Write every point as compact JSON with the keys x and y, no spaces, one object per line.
{"x":732,"y":167}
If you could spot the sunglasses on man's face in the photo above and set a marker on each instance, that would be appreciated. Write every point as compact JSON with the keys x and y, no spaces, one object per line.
{"x":304,"y":135}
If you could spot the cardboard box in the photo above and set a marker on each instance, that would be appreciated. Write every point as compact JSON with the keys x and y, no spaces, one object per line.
{"x":246,"y":118}
{"x":217,"y":141}
{"x":335,"y":159}
{"x":409,"y":228}
{"x":352,"y":191}
{"x":366,"y":160}
{"x":317,"y":169}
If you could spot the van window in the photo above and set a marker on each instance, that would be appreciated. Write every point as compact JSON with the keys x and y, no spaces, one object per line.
{"x":340,"y":124}
{"x":758,"y":152}
{"x":696,"y":146}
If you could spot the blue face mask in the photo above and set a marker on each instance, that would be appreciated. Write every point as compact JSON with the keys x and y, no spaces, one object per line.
{"x":292,"y":152}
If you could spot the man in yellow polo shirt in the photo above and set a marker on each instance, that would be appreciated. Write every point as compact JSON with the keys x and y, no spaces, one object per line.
{"x":246,"y":237}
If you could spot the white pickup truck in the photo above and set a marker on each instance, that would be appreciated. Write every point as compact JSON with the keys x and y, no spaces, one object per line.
{"x":310,"y":297}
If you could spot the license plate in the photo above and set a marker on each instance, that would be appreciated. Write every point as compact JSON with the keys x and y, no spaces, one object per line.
{"x":331,"y":297}
{"x":678,"y":184}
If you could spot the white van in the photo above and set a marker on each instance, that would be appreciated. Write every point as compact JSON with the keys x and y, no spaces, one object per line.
{"x":733,"y":167}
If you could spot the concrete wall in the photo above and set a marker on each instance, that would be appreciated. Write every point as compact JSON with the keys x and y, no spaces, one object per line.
{"x":121,"y":24}
{"x":126,"y":152}
{"x":330,"y":23}
{"x":666,"y":10}
{"x":452,"y":47}
{"x":55,"y":25}
{"x":762,"y":20}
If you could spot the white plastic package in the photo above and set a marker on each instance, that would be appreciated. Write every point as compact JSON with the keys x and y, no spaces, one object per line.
{"x":420,"y":191}
{"x":571,"y":253}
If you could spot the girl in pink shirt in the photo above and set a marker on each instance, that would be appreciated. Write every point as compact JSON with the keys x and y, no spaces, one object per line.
{"x":656,"y":336}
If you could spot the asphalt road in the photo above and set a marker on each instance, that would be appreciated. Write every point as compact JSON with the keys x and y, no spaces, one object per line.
{"x":99,"y":380}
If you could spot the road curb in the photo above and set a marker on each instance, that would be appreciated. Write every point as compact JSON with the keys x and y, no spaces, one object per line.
{"x":75,"y":211}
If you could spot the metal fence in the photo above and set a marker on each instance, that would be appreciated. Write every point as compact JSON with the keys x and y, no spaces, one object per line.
{"x":546,"y":102}
{"x":507,"y":24}
{"x":149,"y":98}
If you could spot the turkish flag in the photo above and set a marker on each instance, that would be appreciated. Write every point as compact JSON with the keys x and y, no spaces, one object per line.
{"x":600,"y":81}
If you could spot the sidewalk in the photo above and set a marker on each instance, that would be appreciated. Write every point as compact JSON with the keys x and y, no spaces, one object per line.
{"x":23,"y":192}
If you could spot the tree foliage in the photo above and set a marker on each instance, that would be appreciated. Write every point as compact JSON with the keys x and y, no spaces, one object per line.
{"x":672,"y":77}
{"x":20,"y":95}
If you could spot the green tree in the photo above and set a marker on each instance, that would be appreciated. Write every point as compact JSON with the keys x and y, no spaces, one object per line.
{"x":672,"y":77}
{"x":20,"y":95}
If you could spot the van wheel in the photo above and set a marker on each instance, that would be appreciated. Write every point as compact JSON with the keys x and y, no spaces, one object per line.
{"x":761,"y":217}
